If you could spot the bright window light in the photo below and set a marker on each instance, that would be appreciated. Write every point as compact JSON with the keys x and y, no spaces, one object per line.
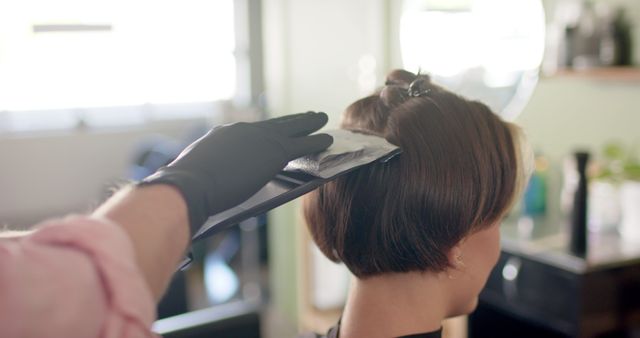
{"x":58,"y":54}
{"x":426,"y":34}
{"x":488,"y":50}
{"x":501,"y":35}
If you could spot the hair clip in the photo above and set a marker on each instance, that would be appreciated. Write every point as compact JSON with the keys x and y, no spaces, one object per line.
{"x":414,"y":89}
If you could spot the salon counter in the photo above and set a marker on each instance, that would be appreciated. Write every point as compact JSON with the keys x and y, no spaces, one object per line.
{"x":539,"y":289}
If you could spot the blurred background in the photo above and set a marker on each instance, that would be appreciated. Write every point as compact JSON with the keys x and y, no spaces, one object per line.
{"x":96,"y":93}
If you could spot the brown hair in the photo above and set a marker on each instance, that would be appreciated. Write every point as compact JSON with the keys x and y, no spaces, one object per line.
{"x":458,"y":173}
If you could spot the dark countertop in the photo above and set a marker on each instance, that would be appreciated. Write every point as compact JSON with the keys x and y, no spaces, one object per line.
{"x":545,"y":239}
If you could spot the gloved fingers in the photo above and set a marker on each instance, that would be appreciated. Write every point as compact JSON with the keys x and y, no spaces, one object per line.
{"x":285,"y":118}
{"x":308,"y":145}
{"x":297,"y":124}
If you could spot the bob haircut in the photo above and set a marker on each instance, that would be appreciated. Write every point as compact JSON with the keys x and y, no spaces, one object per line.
{"x":460,"y":171}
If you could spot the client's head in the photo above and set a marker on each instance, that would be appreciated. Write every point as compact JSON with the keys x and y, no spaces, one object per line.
{"x":435,"y":207}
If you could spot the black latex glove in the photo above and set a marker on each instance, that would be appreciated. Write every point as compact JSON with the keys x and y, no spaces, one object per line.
{"x":231,"y":163}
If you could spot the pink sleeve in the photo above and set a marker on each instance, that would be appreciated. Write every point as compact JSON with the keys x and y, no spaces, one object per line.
{"x":75,"y":277}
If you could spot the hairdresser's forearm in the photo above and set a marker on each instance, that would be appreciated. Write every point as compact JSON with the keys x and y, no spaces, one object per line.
{"x":155,"y":217}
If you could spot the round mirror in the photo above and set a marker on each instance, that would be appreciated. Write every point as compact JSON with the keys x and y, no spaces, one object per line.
{"x":489,"y":50}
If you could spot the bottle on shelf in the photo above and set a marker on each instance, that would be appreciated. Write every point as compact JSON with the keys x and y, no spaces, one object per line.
{"x":622,"y":31}
{"x":535,"y":196}
{"x":578,"y":240}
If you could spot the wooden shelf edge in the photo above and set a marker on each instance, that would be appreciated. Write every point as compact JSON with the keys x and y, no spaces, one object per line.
{"x":624,"y":74}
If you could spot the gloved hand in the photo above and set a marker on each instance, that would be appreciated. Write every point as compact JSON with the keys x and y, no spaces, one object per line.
{"x":231,"y":163}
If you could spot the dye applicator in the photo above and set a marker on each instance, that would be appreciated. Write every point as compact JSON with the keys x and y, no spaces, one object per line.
{"x":349,"y":151}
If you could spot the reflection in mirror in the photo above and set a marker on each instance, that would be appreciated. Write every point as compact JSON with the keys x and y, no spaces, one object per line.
{"x":489,"y":50}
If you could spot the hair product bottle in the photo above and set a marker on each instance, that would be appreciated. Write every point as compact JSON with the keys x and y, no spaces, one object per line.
{"x":622,"y":31}
{"x":578,"y":241}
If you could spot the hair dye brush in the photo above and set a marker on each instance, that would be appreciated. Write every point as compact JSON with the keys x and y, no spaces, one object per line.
{"x":349,"y":151}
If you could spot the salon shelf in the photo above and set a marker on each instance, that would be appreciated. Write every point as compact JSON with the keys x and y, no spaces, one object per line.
{"x":540,"y":289}
{"x":613,"y":74}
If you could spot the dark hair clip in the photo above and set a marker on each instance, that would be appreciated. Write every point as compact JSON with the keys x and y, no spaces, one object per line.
{"x":414,"y":89}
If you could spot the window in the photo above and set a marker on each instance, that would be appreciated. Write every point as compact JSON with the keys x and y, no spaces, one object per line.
{"x":113,"y":61}
{"x":484,"y":49}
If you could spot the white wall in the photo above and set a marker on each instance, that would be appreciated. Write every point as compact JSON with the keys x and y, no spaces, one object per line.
{"x":313,"y":50}
{"x":316,"y":56}
{"x":48,"y":174}
{"x":566,"y":114}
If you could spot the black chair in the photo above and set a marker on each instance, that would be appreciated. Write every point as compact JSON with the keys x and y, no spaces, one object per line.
{"x":231,"y":320}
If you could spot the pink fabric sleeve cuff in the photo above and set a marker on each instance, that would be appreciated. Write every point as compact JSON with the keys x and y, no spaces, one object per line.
{"x":75,"y":277}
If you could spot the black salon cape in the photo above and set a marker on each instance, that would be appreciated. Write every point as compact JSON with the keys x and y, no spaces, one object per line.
{"x":333,"y":333}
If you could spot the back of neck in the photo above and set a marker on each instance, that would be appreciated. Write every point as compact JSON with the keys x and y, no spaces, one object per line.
{"x":394,"y":305}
